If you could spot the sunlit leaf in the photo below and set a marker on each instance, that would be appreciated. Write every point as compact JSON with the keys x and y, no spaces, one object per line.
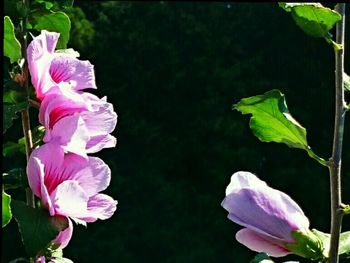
{"x":313,"y":18}
{"x":6,"y":208}
{"x":344,"y":244}
{"x":36,"y":226}
{"x":12,"y":47}
{"x":55,"y":22}
{"x":346,"y":81}
{"x":272,"y":122}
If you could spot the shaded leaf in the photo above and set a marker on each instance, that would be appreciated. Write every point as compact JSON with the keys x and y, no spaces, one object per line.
{"x":36,"y":226}
{"x":13,"y":96}
{"x":11,"y":148}
{"x":55,"y":22}
{"x":12,"y":47}
{"x":48,"y":4}
{"x":313,"y":18}
{"x":261,"y":258}
{"x":10,"y":113}
{"x":14,"y":178}
{"x":18,"y":260}
{"x":65,"y":3}
{"x":6,"y":208}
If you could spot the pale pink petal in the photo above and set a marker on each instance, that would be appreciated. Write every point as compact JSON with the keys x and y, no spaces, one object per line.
{"x":93,"y":177}
{"x":259,"y":243}
{"x":100,"y":121}
{"x":72,"y":70}
{"x":39,"y":54}
{"x":69,"y":199}
{"x":253,"y":204}
{"x":64,"y":236}
{"x":241,"y":179}
{"x":71,"y":133}
{"x":97,"y":143}
{"x":100,"y":206}
{"x":267,"y":211}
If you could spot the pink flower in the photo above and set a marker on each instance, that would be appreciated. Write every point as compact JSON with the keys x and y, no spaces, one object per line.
{"x":268,"y":215}
{"x":69,"y":186}
{"x":79,"y":121}
{"x":48,"y":69}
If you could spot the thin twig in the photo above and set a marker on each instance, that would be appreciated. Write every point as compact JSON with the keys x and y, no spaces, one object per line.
{"x":25,"y":113}
{"x":335,"y":167}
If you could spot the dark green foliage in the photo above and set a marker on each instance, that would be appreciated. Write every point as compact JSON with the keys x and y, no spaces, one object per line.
{"x":36,"y":226}
{"x":173,"y":71}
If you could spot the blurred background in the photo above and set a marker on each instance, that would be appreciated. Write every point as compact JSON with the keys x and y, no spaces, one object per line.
{"x":173,"y":70}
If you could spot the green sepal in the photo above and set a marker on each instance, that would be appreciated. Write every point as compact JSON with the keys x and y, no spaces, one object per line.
{"x":306,"y":245}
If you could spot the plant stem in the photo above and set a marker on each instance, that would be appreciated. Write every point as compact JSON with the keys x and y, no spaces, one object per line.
{"x":25,"y":113}
{"x":335,"y":165}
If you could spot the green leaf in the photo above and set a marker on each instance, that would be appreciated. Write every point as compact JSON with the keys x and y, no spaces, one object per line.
{"x":65,"y":3}
{"x":261,"y":258}
{"x":63,"y":260}
{"x":12,"y":47}
{"x":6,"y":208}
{"x":13,"y":96}
{"x":10,"y":113}
{"x":55,"y":22}
{"x":14,"y":178}
{"x":272,"y":122}
{"x":313,"y":18}
{"x":48,"y":4}
{"x":36,"y":226}
{"x":344,"y":244}
{"x":11,"y":148}
{"x":346,"y":82}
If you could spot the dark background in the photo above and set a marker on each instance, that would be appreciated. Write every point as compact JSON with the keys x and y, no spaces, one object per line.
{"x":173,"y":71}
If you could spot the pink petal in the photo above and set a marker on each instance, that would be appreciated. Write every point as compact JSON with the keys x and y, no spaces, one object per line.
{"x":64,"y":236}
{"x":71,"y":133}
{"x":102,"y":120}
{"x":36,"y":178}
{"x":100,"y":206}
{"x":69,"y":199}
{"x":35,"y":171}
{"x":97,"y":143}
{"x":92,"y":174}
{"x":259,"y":243}
{"x":80,"y":73}
{"x":58,"y":105}
{"x":94,"y":177}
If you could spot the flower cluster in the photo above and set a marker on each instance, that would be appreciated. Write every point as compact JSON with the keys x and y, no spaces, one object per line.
{"x":77,"y":123}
